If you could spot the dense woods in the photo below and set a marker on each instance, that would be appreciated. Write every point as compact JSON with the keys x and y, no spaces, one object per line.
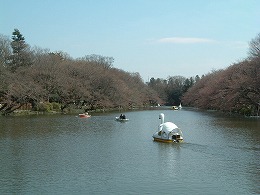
{"x":234,"y":89}
{"x":171,"y":90}
{"x":37,"y":79}
{"x":40,"y":80}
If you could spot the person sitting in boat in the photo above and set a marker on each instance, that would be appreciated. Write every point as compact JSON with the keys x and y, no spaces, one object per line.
{"x":122,"y":116}
{"x":86,"y":112}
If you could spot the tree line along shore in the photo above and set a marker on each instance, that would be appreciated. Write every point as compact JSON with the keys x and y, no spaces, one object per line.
{"x":38,"y":80}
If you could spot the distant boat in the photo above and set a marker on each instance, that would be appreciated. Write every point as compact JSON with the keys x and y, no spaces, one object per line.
{"x":175,"y":108}
{"x":121,"y":119}
{"x":84,"y":115}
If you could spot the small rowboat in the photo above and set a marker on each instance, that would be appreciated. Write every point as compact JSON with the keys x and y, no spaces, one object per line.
{"x":84,"y":115}
{"x":121,"y":119}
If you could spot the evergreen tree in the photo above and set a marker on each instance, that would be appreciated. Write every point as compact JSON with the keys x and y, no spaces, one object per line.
{"x":20,"y":56}
{"x":187,"y":84}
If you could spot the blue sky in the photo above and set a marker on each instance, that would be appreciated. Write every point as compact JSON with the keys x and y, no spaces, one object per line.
{"x":157,"y":38}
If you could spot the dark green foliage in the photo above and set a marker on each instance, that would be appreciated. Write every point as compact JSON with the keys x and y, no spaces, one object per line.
{"x":44,"y":107}
{"x":18,"y":43}
{"x":20,"y":56}
{"x":172,"y":89}
{"x":56,"y":106}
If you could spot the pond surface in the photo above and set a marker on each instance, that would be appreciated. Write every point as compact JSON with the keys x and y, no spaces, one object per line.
{"x":65,"y":154}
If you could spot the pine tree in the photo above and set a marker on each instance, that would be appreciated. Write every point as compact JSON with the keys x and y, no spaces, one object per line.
{"x":20,"y":56}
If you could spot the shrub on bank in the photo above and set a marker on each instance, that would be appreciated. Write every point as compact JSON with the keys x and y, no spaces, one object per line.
{"x":56,"y":106}
{"x":44,"y":107}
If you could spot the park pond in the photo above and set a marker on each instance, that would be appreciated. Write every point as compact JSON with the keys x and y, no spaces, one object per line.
{"x":65,"y":154}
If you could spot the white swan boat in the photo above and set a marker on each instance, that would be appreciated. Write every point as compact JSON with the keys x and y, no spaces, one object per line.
{"x":167,"y":132}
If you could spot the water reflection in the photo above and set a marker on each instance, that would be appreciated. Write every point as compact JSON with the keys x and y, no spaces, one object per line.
{"x":169,"y":159}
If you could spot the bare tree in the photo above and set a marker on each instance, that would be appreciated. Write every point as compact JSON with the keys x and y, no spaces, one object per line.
{"x":5,"y":50}
{"x":254,"y":49}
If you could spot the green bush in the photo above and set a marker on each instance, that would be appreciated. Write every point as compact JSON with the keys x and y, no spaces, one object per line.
{"x":56,"y":106}
{"x":245,"y":110}
{"x":44,"y":107}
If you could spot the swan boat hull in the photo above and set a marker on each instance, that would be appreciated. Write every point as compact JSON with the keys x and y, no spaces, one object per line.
{"x":170,"y":138}
{"x":167,"y":140}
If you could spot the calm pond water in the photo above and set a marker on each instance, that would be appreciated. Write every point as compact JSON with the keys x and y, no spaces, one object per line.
{"x":64,"y":154}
